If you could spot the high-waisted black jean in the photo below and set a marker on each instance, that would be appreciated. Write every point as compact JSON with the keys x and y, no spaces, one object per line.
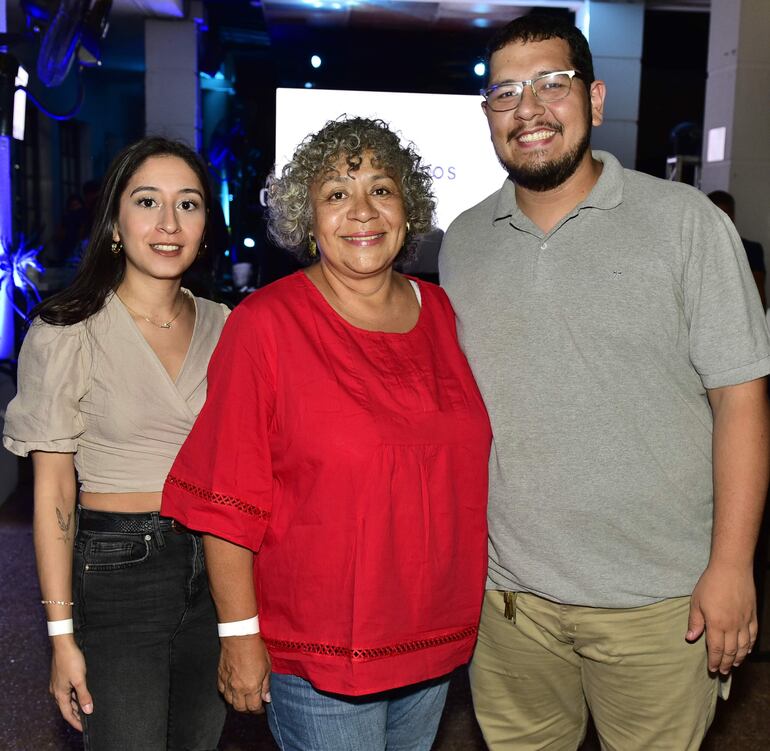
{"x":146,"y":624}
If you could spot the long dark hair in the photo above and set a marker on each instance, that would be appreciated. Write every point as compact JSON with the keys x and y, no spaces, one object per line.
{"x":101,"y":271}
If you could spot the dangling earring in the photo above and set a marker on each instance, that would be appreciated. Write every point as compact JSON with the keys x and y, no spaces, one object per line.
{"x":408,"y":227}
{"x":312,"y":247}
{"x":116,"y":247}
{"x":202,"y":249}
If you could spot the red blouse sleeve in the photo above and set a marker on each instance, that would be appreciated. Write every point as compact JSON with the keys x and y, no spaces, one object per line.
{"x":221,"y":481}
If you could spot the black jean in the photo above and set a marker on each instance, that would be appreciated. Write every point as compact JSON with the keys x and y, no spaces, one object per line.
{"x":146,"y":624}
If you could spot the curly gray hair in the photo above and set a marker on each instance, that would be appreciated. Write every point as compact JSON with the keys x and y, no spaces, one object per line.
{"x":290,"y":211}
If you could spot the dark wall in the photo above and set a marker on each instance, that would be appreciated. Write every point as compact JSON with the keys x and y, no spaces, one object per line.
{"x":673,"y":86}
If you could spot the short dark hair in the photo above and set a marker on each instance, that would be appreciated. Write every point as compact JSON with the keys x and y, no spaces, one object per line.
{"x":539,"y":27}
{"x":723,"y":198}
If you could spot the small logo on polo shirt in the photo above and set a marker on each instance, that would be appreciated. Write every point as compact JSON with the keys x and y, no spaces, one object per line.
{"x":617,"y":274}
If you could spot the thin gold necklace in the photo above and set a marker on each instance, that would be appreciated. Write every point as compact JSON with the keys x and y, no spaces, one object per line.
{"x":167,"y":324}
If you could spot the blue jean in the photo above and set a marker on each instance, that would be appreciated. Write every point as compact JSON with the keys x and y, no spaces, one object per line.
{"x":146,"y":624}
{"x":404,"y":719}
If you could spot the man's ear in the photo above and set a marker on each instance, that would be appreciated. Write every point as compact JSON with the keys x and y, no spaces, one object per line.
{"x":596,"y":93}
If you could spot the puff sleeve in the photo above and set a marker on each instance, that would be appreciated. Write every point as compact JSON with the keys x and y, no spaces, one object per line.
{"x":52,"y":379}
{"x":222,"y":480}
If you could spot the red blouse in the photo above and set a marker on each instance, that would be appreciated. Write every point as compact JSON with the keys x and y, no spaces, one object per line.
{"x":354,"y":463}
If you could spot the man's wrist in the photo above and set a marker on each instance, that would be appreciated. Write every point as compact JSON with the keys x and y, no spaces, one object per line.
{"x":740,"y":566}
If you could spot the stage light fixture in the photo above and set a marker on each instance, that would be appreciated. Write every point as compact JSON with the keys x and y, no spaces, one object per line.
{"x":248,"y":242}
{"x":479,"y":69}
{"x":316,"y":61}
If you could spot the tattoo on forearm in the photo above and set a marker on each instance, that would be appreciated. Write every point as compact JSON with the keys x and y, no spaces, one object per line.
{"x":64,"y":524}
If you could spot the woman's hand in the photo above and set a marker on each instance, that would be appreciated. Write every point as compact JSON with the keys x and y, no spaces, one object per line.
{"x":244,"y":672}
{"x":68,"y":681}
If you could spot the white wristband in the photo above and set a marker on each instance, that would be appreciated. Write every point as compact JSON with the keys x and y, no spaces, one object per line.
{"x":239,"y":628}
{"x":57,"y":628}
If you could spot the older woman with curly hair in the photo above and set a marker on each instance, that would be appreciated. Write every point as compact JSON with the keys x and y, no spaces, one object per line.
{"x":339,"y":467}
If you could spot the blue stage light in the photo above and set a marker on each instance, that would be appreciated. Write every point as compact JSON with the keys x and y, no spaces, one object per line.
{"x":248,"y":242}
{"x":316,"y":61}
{"x":480,"y":69}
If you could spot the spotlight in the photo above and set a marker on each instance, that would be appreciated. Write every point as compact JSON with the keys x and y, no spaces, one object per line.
{"x":308,"y":84}
{"x":316,"y":61}
{"x":480,"y":69}
{"x":248,"y":242}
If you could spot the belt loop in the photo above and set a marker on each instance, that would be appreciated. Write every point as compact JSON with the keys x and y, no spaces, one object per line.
{"x":159,"y":539}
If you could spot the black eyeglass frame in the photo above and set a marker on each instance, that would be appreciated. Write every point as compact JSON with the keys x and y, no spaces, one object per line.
{"x":485,"y":93}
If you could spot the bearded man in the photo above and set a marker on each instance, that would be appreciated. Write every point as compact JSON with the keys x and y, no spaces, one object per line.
{"x":615,"y":331}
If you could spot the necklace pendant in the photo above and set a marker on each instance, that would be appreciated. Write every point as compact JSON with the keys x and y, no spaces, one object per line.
{"x":166,"y":325}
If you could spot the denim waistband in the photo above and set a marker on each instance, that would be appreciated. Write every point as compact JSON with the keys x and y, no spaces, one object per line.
{"x":132,"y":524}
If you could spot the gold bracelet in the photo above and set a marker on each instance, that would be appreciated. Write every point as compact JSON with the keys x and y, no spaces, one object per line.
{"x":55,"y":602}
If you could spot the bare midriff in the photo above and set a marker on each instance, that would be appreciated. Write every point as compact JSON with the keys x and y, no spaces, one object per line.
{"x":125,"y":503}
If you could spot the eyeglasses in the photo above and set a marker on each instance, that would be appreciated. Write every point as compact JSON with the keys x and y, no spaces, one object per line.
{"x":549,"y":87}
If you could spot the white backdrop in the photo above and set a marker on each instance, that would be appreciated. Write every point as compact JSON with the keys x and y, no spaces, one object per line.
{"x":449,"y":131}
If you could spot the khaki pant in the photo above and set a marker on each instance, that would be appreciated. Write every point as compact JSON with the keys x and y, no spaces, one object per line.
{"x":535,"y":680}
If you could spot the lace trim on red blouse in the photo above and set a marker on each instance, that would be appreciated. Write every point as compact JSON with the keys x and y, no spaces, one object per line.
{"x":374,"y":653}
{"x":220,"y":498}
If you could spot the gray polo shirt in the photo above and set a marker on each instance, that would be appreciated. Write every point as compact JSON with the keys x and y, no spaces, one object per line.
{"x":593,"y":345}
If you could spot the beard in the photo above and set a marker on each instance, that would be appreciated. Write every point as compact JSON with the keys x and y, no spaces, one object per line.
{"x":542,"y":176}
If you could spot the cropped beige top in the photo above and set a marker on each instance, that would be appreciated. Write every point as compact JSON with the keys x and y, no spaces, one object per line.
{"x":98,"y":390}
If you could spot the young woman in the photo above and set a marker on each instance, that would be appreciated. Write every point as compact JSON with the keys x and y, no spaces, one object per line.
{"x":112,"y":374}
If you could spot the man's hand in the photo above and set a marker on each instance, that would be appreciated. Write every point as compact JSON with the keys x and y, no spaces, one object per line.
{"x":68,"y":681}
{"x":244,"y":672}
{"x":724,"y":604}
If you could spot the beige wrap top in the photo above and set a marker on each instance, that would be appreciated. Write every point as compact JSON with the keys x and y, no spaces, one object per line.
{"x":98,"y":390}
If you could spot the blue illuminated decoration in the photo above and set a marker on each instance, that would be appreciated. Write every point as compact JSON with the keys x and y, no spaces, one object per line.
{"x":14,"y":265}
{"x":7,"y":340}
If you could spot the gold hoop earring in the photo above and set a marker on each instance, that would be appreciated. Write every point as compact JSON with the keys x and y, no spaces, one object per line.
{"x":116,"y":247}
{"x":408,"y":227}
{"x":312,"y":246}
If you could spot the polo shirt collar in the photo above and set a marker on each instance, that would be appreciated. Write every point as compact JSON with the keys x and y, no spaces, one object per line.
{"x":608,"y":191}
{"x":606,"y":194}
